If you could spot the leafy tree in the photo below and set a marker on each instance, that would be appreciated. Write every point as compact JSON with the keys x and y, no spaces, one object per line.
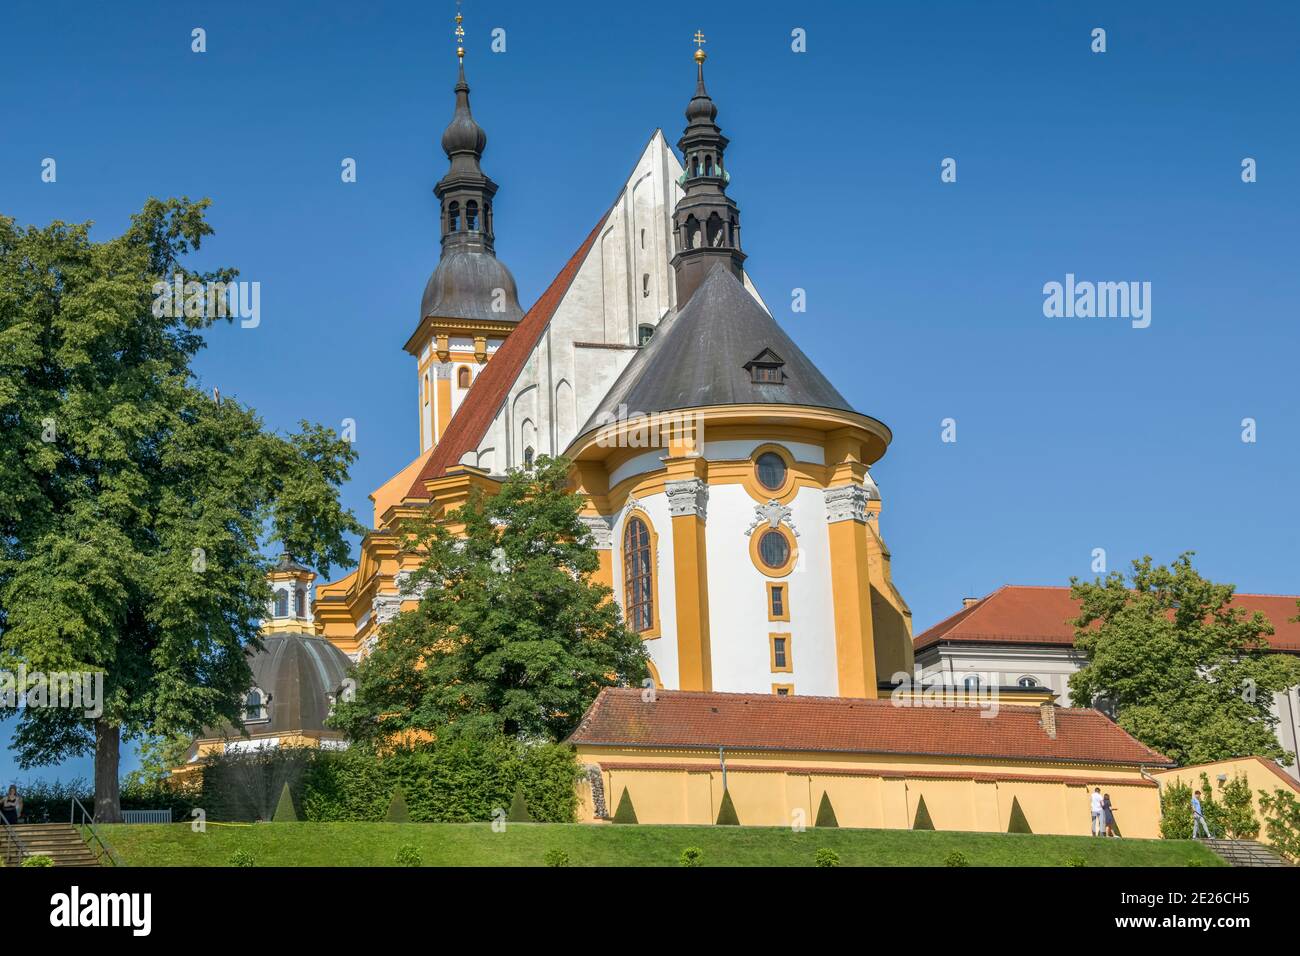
{"x":922,"y":821}
{"x":1019,"y":823}
{"x":626,"y":813}
{"x":826,"y":813}
{"x":131,"y":503}
{"x":159,"y":756}
{"x":512,"y":634}
{"x":519,"y":807}
{"x":284,"y":811}
{"x":1176,"y":810}
{"x":1188,"y":674}
{"x":397,"y":812}
{"x":1232,"y":813}
{"x":727,"y":811}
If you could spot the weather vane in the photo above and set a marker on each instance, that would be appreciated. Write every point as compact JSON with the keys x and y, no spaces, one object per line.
{"x":460,"y":34}
{"x":700,"y":55}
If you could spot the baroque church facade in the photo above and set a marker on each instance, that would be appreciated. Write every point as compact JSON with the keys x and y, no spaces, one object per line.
{"x":727,"y":482}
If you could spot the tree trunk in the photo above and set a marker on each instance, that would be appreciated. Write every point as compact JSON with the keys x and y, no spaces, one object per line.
{"x":108,"y":746}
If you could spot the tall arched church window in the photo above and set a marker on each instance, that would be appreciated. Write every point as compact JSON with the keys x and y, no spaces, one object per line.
{"x":453,"y":217}
{"x":638,"y":576}
{"x":471,"y":215}
{"x":528,"y":457}
{"x":282,"y":603}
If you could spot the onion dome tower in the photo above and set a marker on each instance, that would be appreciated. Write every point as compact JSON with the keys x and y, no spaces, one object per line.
{"x":706,"y":222}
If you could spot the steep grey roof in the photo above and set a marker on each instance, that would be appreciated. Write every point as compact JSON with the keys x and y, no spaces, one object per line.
{"x":300,"y":672}
{"x":464,"y":285}
{"x":698,"y":357}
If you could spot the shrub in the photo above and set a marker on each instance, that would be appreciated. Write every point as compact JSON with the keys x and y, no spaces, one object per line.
{"x":626,"y":813}
{"x":1232,"y":815}
{"x":409,"y":855}
{"x":242,"y":858}
{"x":556,"y":858}
{"x":38,"y":859}
{"x":519,"y":808}
{"x":727,"y":811}
{"x":922,"y":821}
{"x":1282,"y":821}
{"x":1176,"y":811}
{"x":1018,"y":824}
{"x":284,"y":811}
{"x":826,"y":813}
{"x":956,"y":858}
{"x":826,"y":857}
{"x":691,"y":856}
{"x":397,"y":812}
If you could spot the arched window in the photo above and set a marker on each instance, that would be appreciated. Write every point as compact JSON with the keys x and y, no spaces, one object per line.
{"x":281,"y":603}
{"x":971,"y":683}
{"x":254,"y":706}
{"x":644,"y":334}
{"x":528,"y":457}
{"x":453,"y":217}
{"x":638,"y":576}
{"x":1027,"y":682}
{"x":471,"y":215}
{"x":300,"y":603}
{"x":708,"y":165}
{"x":462,"y":377}
{"x":714,"y":237}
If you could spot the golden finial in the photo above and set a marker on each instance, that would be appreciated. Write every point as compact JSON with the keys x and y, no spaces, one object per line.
{"x":460,"y":34}
{"x":698,"y":39}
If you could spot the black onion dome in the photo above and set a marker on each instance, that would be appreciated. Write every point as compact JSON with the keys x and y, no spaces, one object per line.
{"x":462,"y":134}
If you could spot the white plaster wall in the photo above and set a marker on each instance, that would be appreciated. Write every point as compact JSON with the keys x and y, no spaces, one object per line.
{"x":663,"y":649}
{"x":738,"y":623}
{"x":738,"y":449}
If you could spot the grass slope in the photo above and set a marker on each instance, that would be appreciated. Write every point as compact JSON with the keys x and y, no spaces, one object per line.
{"x":525,"y":844}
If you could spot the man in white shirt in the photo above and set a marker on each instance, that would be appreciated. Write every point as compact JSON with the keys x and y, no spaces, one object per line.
{"x":1098,"y":825}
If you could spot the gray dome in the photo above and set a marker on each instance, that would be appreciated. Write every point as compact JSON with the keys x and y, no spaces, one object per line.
{"x":298,"y":674}
{"x":463,"y":287}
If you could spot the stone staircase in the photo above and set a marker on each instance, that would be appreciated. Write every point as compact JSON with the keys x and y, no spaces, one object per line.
{"x":61,"y":842}
{"x":1246,"y":853}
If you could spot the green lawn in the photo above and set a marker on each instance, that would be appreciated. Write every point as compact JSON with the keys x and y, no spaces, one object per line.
{"x":525,"y":844}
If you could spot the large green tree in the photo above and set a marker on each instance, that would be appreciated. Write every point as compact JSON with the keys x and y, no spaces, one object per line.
{"x":1187,"y":672}
{"x":512,"y":635}
{"x":133,"y":506}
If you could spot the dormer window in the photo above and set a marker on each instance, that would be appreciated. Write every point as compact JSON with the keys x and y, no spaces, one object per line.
{"x":766,"y":368}
{"x":255,"y":706}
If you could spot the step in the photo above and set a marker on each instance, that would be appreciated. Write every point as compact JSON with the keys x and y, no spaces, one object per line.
{"x":61,"y":842}
{"x":1246,"y":853}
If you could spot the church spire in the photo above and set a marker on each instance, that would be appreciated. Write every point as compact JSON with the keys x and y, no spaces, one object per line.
{"x":465,"y":193}
{"x":706,"y":222}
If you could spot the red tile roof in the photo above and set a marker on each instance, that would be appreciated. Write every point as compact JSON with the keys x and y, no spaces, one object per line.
{"x":705,"y":721}
{"x":470,"y":423}
{"x":1018,"y":614}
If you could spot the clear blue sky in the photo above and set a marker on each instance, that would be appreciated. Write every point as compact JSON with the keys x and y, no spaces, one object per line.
{"x":924,"y":299}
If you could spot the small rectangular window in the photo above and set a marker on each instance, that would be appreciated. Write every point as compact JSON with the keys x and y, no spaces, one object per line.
{"x":783,"y":690}
{"x":780,"y":653}
{"x":778,"y":602}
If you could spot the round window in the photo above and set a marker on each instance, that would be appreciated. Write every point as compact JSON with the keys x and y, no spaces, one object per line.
{"x":771,"y":470}
{"x":774,"y":549}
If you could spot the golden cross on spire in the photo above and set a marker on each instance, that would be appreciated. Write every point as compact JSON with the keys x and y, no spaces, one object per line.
{"x":460,"y":33}
{"x":699,"y":41}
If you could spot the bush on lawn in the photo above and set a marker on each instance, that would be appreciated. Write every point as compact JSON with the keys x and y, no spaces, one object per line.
{"x":956,"y":858}
{"x":826,"y":857}
{"x":826,"y":813}
{"x":242,"y":858}
{"x":626,"y":813}
{"x":284,"y":811}
{"x":397,"y":812}
{"x":556,"y":858}
{"x":922,"y":821}
{"x":519,"y":808}
{"x":38,"y":859}
{"x":691,"y":856}
{"x":727,"y":811}
{"x":408,"y":855}
{"x":1018,"y":824}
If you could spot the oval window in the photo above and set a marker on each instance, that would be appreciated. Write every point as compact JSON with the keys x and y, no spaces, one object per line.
{"x":771,"y":470}
{"x":774,"y":549}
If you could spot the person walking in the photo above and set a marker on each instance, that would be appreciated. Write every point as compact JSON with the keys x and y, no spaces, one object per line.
{"x":1108,"y":813}
{"x":1097,"y":808}
{"x":1198,"y":818}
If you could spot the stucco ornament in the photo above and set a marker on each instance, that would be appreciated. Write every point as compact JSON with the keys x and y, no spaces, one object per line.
{"x":600,"y":530}
{"x":773,"y":513}
{"x":687,"y":497}
{"x":847,"y":503}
